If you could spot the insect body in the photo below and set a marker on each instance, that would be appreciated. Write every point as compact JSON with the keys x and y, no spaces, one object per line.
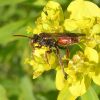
{"x":53,"y":41}
{"x":66,"y":40}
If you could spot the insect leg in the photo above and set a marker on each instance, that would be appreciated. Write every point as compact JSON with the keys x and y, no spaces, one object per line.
{"x":39,"y":46}
{"x":60,"y":62}
{"x":67,"y":54}
{"x":46,"y":55}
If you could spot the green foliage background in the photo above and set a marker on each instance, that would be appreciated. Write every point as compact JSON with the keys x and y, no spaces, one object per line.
{"x":16,"y":81}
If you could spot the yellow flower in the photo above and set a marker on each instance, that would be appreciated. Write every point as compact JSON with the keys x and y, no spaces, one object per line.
{"x":51,"y":19}
{"x":83,"y":63}
{"x":81,"y":9}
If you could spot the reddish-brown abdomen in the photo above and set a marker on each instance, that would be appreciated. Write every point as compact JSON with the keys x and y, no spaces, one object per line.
{"x":67,"y":40}
{"x":64,"y":40}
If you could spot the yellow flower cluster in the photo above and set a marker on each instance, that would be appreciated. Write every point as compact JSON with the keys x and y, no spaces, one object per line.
{"x":82,"y":17}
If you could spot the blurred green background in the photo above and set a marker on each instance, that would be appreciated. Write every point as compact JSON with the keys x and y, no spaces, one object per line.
{"x":16,"y":81}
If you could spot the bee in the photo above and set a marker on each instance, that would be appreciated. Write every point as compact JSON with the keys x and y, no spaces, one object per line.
{"x":53,"y":40}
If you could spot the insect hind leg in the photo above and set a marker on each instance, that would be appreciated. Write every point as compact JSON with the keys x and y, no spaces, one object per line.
{"x":60,"y":62}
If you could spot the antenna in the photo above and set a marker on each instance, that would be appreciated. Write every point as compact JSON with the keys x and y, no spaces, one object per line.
{"x":22,"y":36}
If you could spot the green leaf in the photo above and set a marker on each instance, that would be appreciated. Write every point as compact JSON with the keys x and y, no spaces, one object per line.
{"x":2,"y":93}
{"x":73,"y":49}
{"x":48,"y":81}
{"x":39,"y":2}
{"x":63,"y":2}
{"x":12,"y":86}
{"x":65,"y":95}
{"x":10,"y":2}
{"x":6,"y":31}
{"x":26,"y":89}
{"x":96,"y":88}
{"x":90,"y":95}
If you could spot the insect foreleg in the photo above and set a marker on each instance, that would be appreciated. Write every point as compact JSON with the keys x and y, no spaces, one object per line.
{"x":46,"y":55}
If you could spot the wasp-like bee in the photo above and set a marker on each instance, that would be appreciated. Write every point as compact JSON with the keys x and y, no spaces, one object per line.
{"x":53,"y":40}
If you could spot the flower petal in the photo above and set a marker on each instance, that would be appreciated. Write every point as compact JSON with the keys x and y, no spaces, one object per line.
{"x":91,"y":54}
{"x":82,"y":9}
